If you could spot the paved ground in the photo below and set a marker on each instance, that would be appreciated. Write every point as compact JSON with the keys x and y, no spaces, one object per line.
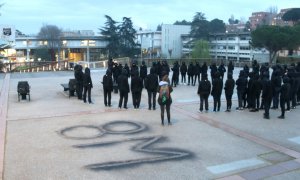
{"x":54,"y":137}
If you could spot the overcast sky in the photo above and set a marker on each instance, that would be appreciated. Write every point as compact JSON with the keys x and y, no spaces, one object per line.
{"x":29,"y":16}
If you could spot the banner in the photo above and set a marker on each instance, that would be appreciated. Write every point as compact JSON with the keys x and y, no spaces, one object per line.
{"x":8,"y":33}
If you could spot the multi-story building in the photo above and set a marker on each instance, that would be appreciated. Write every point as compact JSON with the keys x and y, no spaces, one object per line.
{"x":277,"y":20}
{"x":260,"y":18}
{"x":171,"y":40}
{"x":150,"y":42}
{"x":235,"y":47}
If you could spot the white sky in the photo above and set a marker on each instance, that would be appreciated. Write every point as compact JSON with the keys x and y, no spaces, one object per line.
{"x":29,"y":16}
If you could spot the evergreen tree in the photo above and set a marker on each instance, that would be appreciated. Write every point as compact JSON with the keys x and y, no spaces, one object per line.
{"x":110,"y":33}
{"x":127,"y":37}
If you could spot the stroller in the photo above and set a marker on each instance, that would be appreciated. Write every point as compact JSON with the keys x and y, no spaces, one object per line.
{"x":23,"y":90}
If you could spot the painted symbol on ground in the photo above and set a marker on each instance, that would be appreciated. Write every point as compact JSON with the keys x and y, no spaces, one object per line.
{"x":144,"y":144}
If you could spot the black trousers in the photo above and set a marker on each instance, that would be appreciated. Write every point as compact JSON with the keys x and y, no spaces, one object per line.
{"x":79,"y":89}
{"x":228,"y":100}
{"x":217,"y":102}
{"x":282,"y":106}
{"x":136,"y":99}
{"x":162,"y":112}
{"x":183,"y":77}
{"x":151,"y":99}
{"x":123,"y":95}
{"x":107,"y":97}
{"x":197,"y":76}
{"x":240,"y":98}
{"x":267,"y":104}
{"x":204,"y":98}
{"x":190,"y":78}
{"x":87,"y":90}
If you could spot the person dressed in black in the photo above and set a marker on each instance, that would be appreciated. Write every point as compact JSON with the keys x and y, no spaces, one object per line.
{"x":276,"y":85}
{"x":107,"y":87}
{"x":190,"y":73}
{"x":136,"y":89}
{"x":175,"y":75}
{"x":204,"y":92}
{"x":123,"y":86}
{"x":230,"y":68}
{"x":241,"y":86}
{"x":284,"y":96}
{"x":126,"y":67}
{"x":115,"y":72}
{"x":79,"y":80}
{"x":266,"y":94}
{"x":229,"y":87}
{"x":217,"y":87}
{"x":213,"y":70}
{"x":203,"y":70}
{"x":151,"y":84}
{"x":197,"y":71}
{"x":255,"y":67}
{"x":183,"y":71}
{"x":222,"y":70}
{"x":87,"y":85}
{"x":134,"y":68}
{"x":143,"y":72}
{"x":167,"y":105}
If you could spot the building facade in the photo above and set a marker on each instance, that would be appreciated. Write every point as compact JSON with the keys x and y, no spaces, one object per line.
{"x":171,"y":40}
{"x":235,"y":47}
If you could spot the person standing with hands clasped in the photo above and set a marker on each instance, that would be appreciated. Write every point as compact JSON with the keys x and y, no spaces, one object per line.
{"x":164,"y":98}
{"x":107,"y":87}
{"x":87,"y":85}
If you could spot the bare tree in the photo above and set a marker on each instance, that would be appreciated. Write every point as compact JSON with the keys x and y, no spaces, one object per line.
{"x":272,"y":9}
{"x":50,"y":34}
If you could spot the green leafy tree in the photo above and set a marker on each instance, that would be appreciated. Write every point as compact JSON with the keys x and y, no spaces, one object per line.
{"x":272,"y":38}
{"x":110,"y":33}
{"x":200,"y":49}
{"x":217,"y":26}
{"x":247,"y":26}
{"x":127,"y":36}
{"x":199,"y":27}
{"x":292,"y":15}
{"x":51,"y":35}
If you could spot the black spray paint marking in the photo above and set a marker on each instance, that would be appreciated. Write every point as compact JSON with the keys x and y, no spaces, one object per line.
{"x":144,"y":146}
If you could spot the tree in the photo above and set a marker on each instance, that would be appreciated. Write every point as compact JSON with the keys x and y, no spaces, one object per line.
{"x":110,"y":33}
{"x":247,"y":26}
{"x":51,"y":34}
{"x":127,"y":36}
{"x":201,"y":49}
{"x":292,"y":15}
{"x":272,"y":38}
{"x":217,"y":26}
{"x":183,"y":22}
{"x":231,"y":20}
{"x":199,"y":27}
{"x":158,"y":28}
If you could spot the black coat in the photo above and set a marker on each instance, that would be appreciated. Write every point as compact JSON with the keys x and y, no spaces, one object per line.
{"x":267,"y":92}
{"x":151,"y":81}
{"x":241,"y":84}
{"x":123,"y":84}
{"x":143,"y":71}
{"x":217,"y":86}
{"x":183,"y":69}
{"x":229,"y":87}
{"x":87,"y":81}
{"x":107,"y":83}
{"x":204,"y":87}
{"x":197,"y":69}
{"x":136,"y":84}
{"x":191,"y":70}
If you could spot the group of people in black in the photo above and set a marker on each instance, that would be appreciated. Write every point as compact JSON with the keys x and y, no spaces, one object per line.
{"x":84,"y":83}
{"x":256,"y":89}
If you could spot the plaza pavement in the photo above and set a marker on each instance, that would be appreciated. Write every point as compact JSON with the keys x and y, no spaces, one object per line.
{"x":57,"y":137}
